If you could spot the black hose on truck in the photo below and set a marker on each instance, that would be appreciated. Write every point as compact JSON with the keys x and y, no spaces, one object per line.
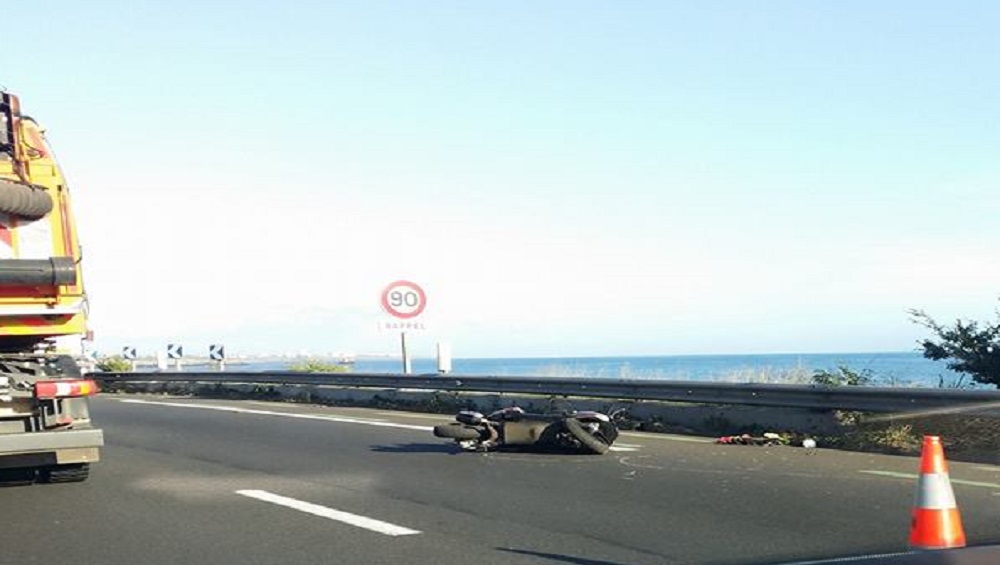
{"x":54,"y":271}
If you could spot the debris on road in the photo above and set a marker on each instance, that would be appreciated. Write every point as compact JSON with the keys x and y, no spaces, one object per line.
{"x":768,"y":438}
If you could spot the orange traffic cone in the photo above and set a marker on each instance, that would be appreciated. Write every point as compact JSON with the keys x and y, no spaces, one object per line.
{"x":936,"y":523}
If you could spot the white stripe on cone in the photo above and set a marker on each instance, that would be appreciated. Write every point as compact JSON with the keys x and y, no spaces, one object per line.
{"x":934,"y":492}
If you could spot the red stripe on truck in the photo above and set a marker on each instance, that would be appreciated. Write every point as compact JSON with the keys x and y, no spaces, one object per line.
{"x":65,"y":389}
{"x":36,"y":321}
{"x":67,"y":234}
{"x":6,"y":237}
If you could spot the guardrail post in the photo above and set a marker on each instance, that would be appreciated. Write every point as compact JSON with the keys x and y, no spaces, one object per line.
{"x":444,"y":357}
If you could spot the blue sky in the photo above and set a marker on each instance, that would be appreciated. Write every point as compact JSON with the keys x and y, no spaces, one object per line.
{"x":565,"y":179}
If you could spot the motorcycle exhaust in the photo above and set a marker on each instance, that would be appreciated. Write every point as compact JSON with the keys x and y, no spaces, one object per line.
{"x":470,"y":418}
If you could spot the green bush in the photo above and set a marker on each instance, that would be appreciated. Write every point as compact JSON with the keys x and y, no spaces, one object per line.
{"x":969,"y":347}
{"x":318,"y":366}
{"x":843,"y":376}
{"x":114,"y":364}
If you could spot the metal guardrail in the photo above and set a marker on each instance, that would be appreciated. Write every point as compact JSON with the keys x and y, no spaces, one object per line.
{"x":868,"y":399}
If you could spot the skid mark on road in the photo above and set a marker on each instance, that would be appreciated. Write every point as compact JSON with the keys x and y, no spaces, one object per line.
{"x":649,"y":462}
{"x":336,"y":419}
{"x":324,"y":512}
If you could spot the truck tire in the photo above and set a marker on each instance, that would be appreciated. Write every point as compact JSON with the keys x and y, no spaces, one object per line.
{"x":457,"y":431}
{"x":66,"y":367}
{"x":75,"y":473}
{"x":24,"y":200}
{"x":592,"y":443}
{"x":17,"y":477}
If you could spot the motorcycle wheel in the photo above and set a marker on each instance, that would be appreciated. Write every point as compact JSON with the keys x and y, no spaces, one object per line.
{"x":590,"y":442}
{"x":456,"y":430}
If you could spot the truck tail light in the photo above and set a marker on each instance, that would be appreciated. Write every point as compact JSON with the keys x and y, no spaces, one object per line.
{"x":65,"y":388}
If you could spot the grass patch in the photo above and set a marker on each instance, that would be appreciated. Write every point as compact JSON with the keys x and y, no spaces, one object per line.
{"x":972,"y":438}
{"x":318,"y":366}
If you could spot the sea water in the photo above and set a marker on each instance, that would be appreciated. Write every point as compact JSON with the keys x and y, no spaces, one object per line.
{"x":884,"y":369}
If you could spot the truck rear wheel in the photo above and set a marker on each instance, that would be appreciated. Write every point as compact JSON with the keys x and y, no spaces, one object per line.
{"x":76,"y":473}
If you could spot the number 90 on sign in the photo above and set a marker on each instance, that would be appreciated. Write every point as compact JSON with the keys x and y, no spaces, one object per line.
{"x":404,"y":299}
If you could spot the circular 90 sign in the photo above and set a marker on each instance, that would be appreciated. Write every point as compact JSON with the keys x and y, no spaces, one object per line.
{"x":404,"y":299}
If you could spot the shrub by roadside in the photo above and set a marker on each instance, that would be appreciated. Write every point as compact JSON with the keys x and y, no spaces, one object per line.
{"x":114,"y":364}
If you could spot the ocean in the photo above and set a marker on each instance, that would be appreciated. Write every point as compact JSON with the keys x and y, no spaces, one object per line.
{"x":885,"y":369}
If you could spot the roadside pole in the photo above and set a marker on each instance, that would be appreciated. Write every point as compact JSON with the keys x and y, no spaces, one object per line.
{"x":407,"y":365}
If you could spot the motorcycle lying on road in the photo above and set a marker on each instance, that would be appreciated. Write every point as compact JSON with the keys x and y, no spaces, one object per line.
{"x":588,"y":432}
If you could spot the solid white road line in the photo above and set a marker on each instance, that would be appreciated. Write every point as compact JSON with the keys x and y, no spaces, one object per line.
{"x":338,"y":419}
{"x":668,"y":437}
{"x":853,"y":558}
{"x":438,"y":417}
{"x":324,"y":512}
{"x":625,"y":447}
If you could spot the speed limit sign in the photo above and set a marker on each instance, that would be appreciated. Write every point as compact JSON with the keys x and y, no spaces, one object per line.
{"x":404,"y":300}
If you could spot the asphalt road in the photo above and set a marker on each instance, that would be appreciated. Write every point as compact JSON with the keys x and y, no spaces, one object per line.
{"x":184,"y":481}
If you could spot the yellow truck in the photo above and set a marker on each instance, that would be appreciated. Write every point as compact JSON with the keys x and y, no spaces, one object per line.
{"x":46,"y":432}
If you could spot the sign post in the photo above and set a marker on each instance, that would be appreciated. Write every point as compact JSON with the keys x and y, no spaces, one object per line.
{"x":176,"y":352}
{"x":407,"y":362}
{"x":405,"y":301}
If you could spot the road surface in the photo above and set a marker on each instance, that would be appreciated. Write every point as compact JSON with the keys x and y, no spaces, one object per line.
{"x":237,"y":482}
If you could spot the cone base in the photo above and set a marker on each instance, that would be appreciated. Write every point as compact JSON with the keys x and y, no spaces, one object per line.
{"x":936,"y":529}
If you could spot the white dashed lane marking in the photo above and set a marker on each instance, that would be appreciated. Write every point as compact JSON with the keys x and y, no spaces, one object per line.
{"x":337,"y":515}
{"x":914,"y":477}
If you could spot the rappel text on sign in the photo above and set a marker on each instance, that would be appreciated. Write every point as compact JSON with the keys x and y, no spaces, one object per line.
{"x":404,"y":326}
